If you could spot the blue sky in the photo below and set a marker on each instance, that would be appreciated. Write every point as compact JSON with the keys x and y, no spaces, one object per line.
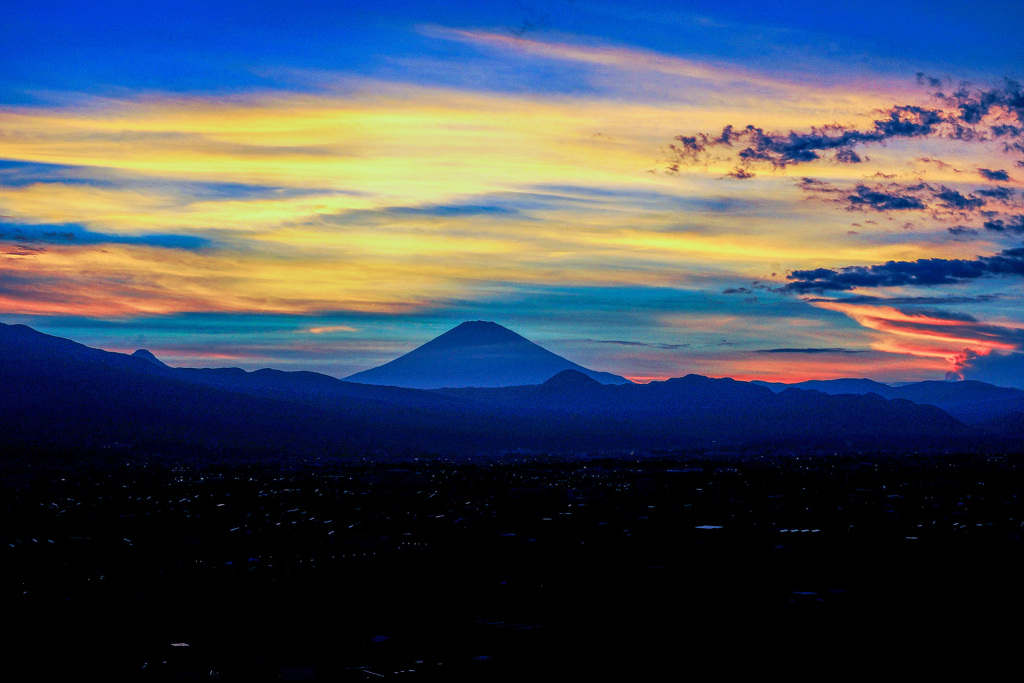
{"x":324,"y":185}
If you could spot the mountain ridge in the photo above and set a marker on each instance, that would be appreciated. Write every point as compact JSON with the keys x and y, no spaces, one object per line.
{"x":58,"y":392}
{"x":970,"y":401}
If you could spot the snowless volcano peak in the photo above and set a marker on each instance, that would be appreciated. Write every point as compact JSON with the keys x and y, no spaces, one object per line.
{"x":476,"y":353}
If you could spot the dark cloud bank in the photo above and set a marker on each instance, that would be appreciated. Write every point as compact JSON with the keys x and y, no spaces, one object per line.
{"x":932,"y":271}
{"x":994,"y":115}
{"x":966,"y":114}
{"x":937,"y":202}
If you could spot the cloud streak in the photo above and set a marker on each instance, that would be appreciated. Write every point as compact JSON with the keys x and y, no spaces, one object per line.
{"x":812,"y":350}
{"x":71,"y":234}
{"x":622,"y":58}
{"x":649,"y":345}
{"x":929,"y":333}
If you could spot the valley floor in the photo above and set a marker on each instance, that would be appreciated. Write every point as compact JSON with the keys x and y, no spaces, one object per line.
{"x":140,"y":568}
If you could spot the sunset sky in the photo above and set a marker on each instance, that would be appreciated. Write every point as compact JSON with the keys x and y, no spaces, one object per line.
{"x":781,"y":191}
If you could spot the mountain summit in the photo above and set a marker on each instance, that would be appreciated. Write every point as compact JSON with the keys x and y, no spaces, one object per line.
{"x":477,"y":353}
{"x":146,"y":354}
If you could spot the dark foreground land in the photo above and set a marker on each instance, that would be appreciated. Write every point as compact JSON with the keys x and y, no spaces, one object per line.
{"x":139,"y":568}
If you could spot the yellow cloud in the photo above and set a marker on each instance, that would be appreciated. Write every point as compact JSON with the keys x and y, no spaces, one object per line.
{"x":322,"y":233}
{"x":332,"y":328}
{"x":391,"y":140}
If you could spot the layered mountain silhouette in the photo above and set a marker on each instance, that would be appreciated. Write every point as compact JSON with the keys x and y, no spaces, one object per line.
{"x":476,"y":354}
{"x":968,"y":401}
{"x":54,"y":391}
{"x":723,"y":410}
{"x":57,"y":394}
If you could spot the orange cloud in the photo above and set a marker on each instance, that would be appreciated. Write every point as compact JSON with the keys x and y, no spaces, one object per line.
{"x":925,"y":335}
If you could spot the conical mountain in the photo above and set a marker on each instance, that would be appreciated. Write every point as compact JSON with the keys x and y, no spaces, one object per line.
{"x":146,"y":354}
{"x":476,"y":354}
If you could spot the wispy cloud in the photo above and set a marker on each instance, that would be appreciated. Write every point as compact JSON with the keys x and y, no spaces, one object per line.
{"x":625,"y":58}
{"x":379,"y":197}
{"x":928,"y":333}
{"x":812,"y":350}
{"x":72,"y":234}
{"x":332,"y":328}
{"x":618,"y":342}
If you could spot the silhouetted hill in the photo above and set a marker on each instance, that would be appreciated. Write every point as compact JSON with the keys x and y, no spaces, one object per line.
{"x":145,"y":354}
{"x":570,"y":379}
{"x":55,"y":391}
{"x":476,"y":354}
{"x":1010,"y":424}
{"x":698,"y":409}
{"x":969,"y":401}
{"x":832,"y":386}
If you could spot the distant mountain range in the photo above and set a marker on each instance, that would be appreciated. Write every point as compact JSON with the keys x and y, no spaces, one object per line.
{"x":58,"y":394}
{"x":968,"y":401}
{"x":476,"y":354}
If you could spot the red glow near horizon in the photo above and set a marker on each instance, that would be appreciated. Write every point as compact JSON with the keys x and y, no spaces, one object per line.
{"x":922,"y":335}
